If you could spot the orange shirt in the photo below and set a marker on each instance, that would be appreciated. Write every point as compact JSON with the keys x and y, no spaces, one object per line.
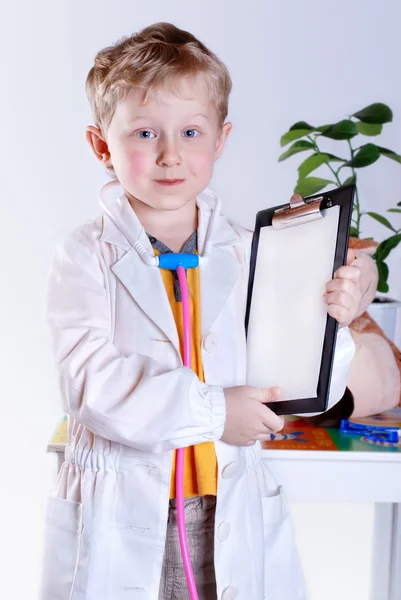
{"x":200,"y":462}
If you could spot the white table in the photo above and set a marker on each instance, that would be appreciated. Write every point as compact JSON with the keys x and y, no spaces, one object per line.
{"x":319,"y":476}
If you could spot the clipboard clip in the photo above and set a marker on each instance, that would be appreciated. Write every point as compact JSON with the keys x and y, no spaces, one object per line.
{"x":297,"y":212}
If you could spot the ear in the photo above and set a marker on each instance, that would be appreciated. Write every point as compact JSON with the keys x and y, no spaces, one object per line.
{"x":221,"y":140}
{"x":99,"y":146}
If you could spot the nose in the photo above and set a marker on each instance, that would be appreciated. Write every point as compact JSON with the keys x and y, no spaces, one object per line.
{"x":169,"y":154}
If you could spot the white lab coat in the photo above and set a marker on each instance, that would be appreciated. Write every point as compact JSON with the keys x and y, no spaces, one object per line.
{"x":131,"y":402}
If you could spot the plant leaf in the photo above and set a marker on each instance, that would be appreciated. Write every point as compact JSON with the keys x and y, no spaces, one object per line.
{"x":322,"y":128}
{"x":366,"y":155}
{"x":353,"y":232}
{"x":382,"y":285}
{"x":312,"y":163}
{"x":381,"y":252}
{"x":369,"y":128}
{"x":381,"y":220}
{"x":393,"y":241}
{"x":299,"y":146}
{"x":375,"y":113}
{"x":301,"y":125}
{"x":390,"y":154}
{"x":385,"y":247}
{"x":394,"y":210}
{"x":343,"y":130}
{"x":350,"y":181}
{"x":290,"y":136}
{"x":311,"y":185}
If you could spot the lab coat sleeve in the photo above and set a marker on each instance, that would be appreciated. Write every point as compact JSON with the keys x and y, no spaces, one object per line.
{"x":126,"y":399}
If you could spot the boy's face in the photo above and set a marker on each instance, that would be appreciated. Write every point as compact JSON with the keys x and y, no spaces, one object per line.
{"x":163,"y":152}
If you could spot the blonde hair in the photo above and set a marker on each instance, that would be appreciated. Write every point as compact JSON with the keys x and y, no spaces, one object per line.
{"x":157,"y":57}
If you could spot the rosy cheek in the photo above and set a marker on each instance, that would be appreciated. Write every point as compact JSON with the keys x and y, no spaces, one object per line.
{"x":202,"y":161}
{"x":136,"y":163}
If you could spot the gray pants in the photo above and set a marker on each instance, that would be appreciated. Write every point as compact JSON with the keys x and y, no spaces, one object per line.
{"x":199,"y":520}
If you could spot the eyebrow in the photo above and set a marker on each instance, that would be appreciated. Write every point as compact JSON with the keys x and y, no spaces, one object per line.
{"x":200,"y":115}
{"x":139,"y":117}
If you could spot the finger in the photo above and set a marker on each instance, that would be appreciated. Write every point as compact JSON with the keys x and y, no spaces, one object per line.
{"x":348,"y":272}
{"x":266,"y":432}
{"x":265,"y":437}
{"x":264,"y":394}
{"x":342,"y":299}
{"x":342,"y":315}
{"x":272,"y":421}
{"x":344,"y":286}
{"x":351,"y":255}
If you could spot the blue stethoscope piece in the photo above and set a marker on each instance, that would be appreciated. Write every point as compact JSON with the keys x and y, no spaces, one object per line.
{"x":173,"y":261}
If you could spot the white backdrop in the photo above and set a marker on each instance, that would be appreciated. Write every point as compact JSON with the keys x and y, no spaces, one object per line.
{"x":312,"y":60}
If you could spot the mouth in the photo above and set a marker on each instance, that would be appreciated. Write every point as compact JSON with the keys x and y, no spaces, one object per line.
{"x":169,"y":182}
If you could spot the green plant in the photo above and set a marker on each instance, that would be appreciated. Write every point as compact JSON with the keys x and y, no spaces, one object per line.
{"x":306,"y":138}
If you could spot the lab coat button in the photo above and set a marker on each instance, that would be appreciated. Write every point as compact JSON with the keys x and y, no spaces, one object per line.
{"x":229,"y":470}
{"x":211,"y":342}
{"x":223,"y":531}
{"x":230,"y":593}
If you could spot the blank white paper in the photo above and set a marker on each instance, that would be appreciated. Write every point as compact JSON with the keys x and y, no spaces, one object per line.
{"x":288,"y":316}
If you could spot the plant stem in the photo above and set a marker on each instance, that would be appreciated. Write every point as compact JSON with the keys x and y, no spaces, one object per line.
{"x":357,"y":207}
{"x":313,"y":141}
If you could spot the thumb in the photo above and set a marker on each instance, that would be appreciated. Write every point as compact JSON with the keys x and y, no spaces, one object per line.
{"x":264,"y":394}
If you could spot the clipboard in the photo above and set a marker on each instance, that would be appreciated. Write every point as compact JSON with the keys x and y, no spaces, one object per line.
{"x":296,"y":249}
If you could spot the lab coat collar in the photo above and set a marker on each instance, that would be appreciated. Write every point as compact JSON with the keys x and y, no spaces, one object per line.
{"x":218,"y":273}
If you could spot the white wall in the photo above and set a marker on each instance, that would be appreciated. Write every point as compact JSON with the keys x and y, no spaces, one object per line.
{"x":311,"y":60}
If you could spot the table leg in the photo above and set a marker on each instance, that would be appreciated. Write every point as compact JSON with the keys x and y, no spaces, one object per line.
{"x":395,"y":580}
{"x":386,"y":566}
{"x":60,"y":460}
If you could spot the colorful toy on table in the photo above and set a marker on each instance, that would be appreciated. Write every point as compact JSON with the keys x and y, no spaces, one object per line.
{"x":295,"y":436}
{"x":369,"y":434}
{"x":378,"y":425}
{"x":59,"y":438}
{"x":298,"y":434}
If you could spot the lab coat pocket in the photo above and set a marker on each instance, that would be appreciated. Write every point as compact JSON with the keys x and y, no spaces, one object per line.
{"x":283,"y":574}
{"x":275,"y":510}
{"x":61,"y":550}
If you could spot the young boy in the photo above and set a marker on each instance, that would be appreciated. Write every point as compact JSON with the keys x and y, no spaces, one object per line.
{"x":159,"y":102}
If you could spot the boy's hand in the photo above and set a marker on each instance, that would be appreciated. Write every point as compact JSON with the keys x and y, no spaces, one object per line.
{"x":343,"y":293}
{"x":247,"y":419}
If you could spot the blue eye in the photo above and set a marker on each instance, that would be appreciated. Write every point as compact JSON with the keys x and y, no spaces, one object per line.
{"x":190,"y":133}
{"x":146,"y":135}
